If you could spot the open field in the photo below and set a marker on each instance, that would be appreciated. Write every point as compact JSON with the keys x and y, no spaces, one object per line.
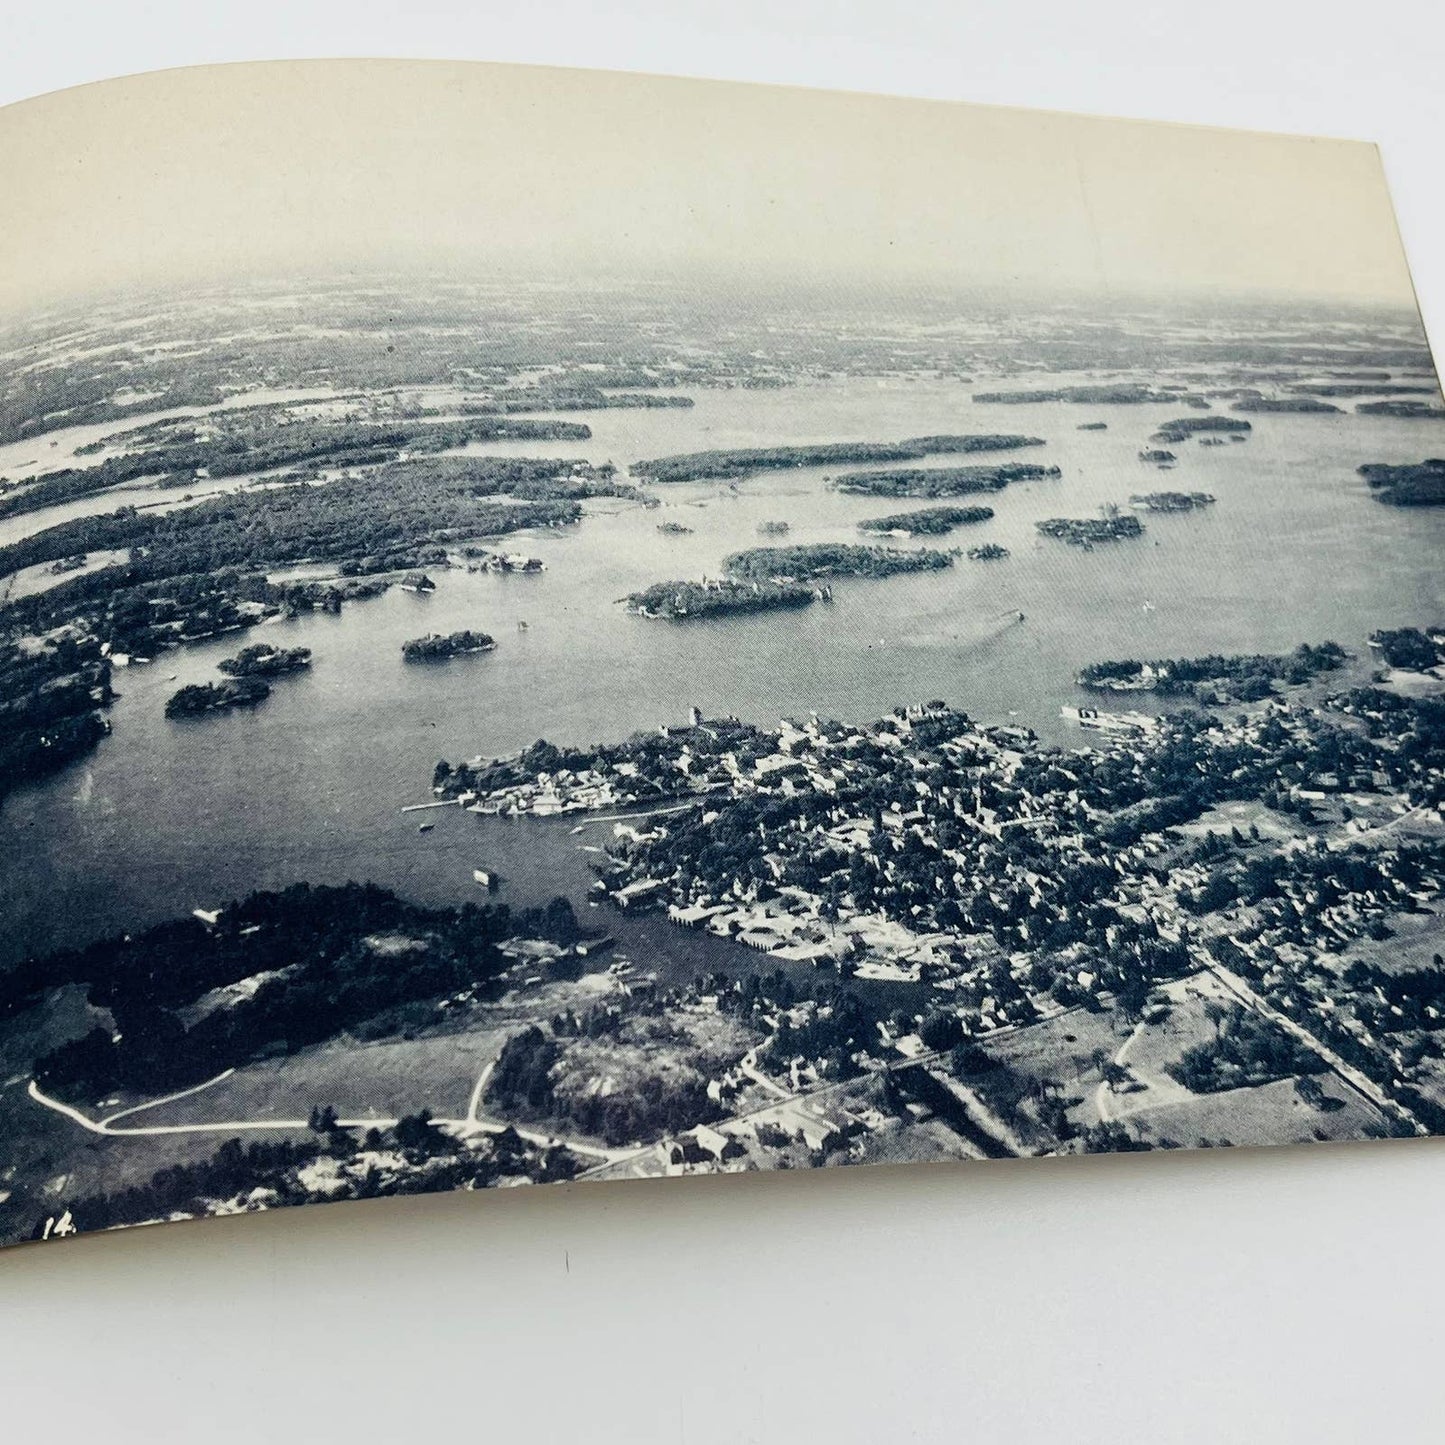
{"x":1415,"y":939}
{"x":1242,"y":815}
{"x":1271,"y":1114}
{"x":382,"y":1080}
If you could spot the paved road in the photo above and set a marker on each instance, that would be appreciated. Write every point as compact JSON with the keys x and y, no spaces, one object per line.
{"x":1356,"y":1078}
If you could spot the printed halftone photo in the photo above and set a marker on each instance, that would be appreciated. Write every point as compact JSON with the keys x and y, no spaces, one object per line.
{"x":569,"y":626}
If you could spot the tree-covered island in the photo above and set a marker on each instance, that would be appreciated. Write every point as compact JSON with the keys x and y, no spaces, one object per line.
{"x":1422,"y":409}
{"x":1087,"y":531}
{"x":927,"y":522}
{"x":735,"y":464}
{"x":199,"y":698}
{"x":941,"y":481}
{"x":1420,"y":484}
{"x":1122,"y":393}
{"x":264,"y":660}
{"x":435,"y":647}
{"x":819,"y":561}
{"x":1171,"y":501}
{"x":1182,"y":428}
{"x":1304,"y":404}
{"x":715,"y":597}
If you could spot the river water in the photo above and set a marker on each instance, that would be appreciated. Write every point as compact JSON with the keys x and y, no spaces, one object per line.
{"x":167,"y":816}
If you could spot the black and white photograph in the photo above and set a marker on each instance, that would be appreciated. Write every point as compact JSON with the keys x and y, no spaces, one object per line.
{"x":566,"y":626}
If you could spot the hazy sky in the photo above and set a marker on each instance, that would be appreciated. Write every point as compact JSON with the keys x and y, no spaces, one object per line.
{"x":203,"y":173}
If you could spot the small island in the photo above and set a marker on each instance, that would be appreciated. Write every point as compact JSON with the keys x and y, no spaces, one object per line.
{"x":1184,"y":427}
{"x":1171,"y":501}
{"x":928,"y":522}
{"x":713,"y":598}
{"x":1092,"y":426}
{"x":1158,"y":456}
{"x":674,"y":529}
{"x":1284,"y":404}
{"x":988,"y":552}
{"x":1411,"y":485}
{"x":417,"y":582}
{"x":773,"y":529}
{"x":200,"y":698}
{"x":1399,"y":408}
{"x":821,"y":560}
{"x":1086,"y":531}
{"x":436,"y":648}
{"x":941,"y":481}
{"x":263,"y":660}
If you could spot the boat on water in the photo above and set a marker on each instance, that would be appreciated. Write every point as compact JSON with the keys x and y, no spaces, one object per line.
{"x":425,"y":827}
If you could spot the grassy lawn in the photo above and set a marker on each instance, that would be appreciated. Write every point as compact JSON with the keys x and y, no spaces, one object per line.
{"x":1415,"y":938}
{"x":1271,"y":825}
{"x":1270,"y":1114}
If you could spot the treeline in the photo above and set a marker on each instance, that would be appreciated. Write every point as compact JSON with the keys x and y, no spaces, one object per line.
{"x":327,"y":960}
{"x":746,"y":461}
{"x":1249,"y":676}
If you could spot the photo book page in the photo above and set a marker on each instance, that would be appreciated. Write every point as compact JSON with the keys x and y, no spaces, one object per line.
{"x":583,"y":626}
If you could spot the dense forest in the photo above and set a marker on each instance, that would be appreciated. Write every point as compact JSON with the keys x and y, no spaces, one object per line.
{"x":318,"y":961}
{"x":677,"y":600}
{"x":244,"y":450}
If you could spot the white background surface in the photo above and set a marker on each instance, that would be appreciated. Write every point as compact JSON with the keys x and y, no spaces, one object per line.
{"x":1268,"y":1295}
